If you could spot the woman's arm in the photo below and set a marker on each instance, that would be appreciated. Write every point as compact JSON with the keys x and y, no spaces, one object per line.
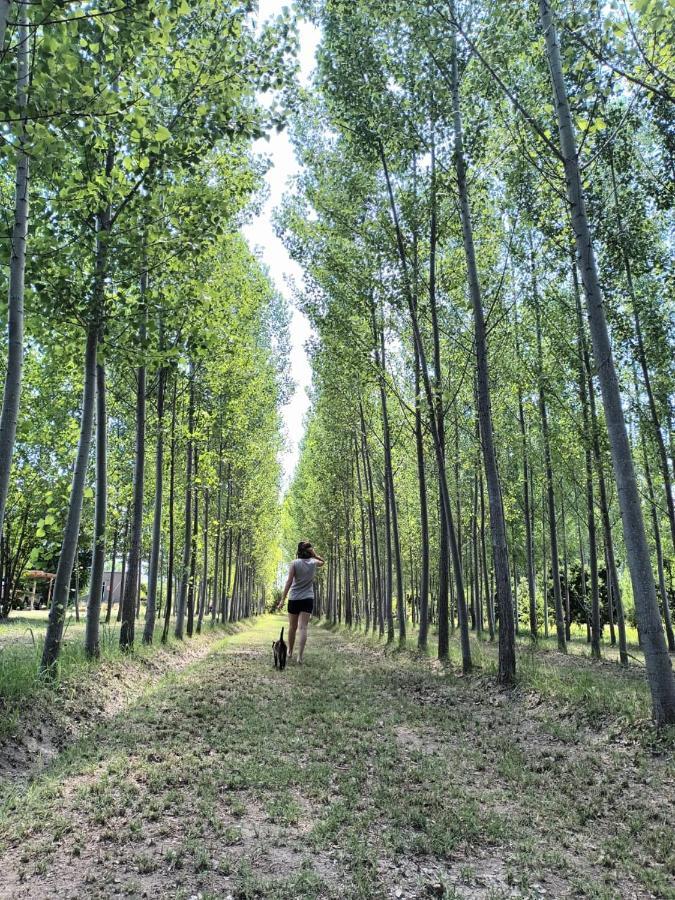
{"x":287,"y":586}
{"x":318,"y":558}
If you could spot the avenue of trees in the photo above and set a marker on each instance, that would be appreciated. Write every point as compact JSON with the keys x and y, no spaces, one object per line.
{"x":484,"y":217}
{"x":144,"y":353}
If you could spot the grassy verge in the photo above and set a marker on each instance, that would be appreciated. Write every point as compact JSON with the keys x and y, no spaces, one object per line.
{"x":598,"y":690}
{"x":360,"y":775}
{"x":22,"y":642}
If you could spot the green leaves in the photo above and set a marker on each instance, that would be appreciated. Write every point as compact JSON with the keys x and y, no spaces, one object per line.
{"x":162,"y":134}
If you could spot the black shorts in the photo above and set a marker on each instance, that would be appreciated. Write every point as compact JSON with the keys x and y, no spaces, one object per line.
{"x":298,"y":606}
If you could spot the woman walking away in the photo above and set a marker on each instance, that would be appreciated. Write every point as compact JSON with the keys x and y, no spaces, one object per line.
{"x":300,"y":582}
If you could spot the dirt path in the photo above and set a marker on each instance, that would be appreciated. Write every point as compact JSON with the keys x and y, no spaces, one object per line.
{"x":359,"y":775}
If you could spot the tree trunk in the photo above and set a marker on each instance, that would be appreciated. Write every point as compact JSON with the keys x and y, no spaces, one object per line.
{"x":187,"y":537}
{"x":172,"y":549}
{"x":364,"y":552}
{"x":91,"y":636}
{"x":422,"y":637}
{"x":101,"y":508}
{"x":665,"y":601}
{"x":548,"y":468}
{"x":438,"y":447}
{"x":375,"y":555}
{"x":216,"y":561}
{"x":17,"y":265}
{"x":149,"y":630}
{"x":444,"y":619}
{"x":642,"y":358}
{"x":348,"y":554}
{"x":657,"y":661}
{"x":500,"y":554}
{"x":131,"y":592}
{"x":205,"y":564}
{"x":123,"y":569}
{"x":529,"y":539}
{"x":5,"y":6}
{"x":516,"y":610}
{"x":64,"y":571}
{"x":111,"y":584}
{"x":192,"y":583}
{"x":613,"y":591}
{"x":590,"y":501}
{"x":227,"y":549}
{"x":484,"y":563}
{"x":475,"y":568}
{"x":566,"y":574}
{"x":390,"y":503}
{"x":77,"y":586}
{"x":544,"y":560}
{"x":396,"y":540}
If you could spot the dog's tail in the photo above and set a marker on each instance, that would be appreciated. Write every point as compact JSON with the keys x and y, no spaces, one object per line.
{"x":282,"y":635}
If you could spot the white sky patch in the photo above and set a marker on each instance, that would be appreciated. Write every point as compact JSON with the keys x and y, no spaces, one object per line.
{"x":283,"y":271}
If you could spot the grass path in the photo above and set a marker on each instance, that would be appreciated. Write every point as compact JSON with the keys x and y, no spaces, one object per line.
{"x":361,"y":774}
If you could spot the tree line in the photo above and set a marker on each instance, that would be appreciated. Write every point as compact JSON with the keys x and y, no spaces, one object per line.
{"x":144,"y":351}
{"x":484,"y":217}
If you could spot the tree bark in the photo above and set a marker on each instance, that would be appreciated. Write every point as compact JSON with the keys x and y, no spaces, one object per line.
{"x":529,"y":539}
{"x":423,"y":632}
{"x":566,"y":574}
{"x":91,"y":637}
{"x":17,"y":266}
{"x":103,"y":222}
{"x":484,"y":563}
{"x":657,"y":661}
{"x":500,"y":554}
{"x":395,"y":537}
{"x":438,"y":448}
{"x":548,"y":469}
{"x":665,"y":601}
{"x":590,"y":500}
{"x":205,"y":564}
{"x":5,"y":6}
{"x":172,"y":549}
{"x":444,"y":619}
{"x":187,"y":535}
{"x":364,"y":552}
{"x":192,"y":582}
{"x":378,"y":613}
{"x":64,"y":571}
{"x":111,"y":584}
{"x":227,"y":548}
{"x":131,"y":592}
{"x":219,"y":529}
{"x":642,"y":358}
{"x":150,"y":611}
{"x":613,"y":591}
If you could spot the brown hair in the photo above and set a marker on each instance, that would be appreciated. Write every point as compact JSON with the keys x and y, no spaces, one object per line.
{"x":304,"y":550}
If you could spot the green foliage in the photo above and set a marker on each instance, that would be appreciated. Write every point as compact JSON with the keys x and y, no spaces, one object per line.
{"x":141,"y":175}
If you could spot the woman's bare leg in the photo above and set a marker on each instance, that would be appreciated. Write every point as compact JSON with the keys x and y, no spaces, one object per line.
{"x":292,"y":627}
{"x":304,"y":622}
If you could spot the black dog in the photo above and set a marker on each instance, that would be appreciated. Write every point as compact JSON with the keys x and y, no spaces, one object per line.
{"x":280,"y":652}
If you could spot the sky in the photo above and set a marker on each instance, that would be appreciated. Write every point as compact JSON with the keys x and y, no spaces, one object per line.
{"x":283,"y":271}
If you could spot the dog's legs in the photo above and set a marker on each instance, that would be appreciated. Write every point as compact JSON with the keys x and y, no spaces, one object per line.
{"x":292,"y":626}
{"x":304,"y":621}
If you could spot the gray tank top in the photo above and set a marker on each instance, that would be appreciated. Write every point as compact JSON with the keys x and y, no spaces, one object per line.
{"x":303,"y":581}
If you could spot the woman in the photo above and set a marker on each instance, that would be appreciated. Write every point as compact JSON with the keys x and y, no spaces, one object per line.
{"x":300,"y":582}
